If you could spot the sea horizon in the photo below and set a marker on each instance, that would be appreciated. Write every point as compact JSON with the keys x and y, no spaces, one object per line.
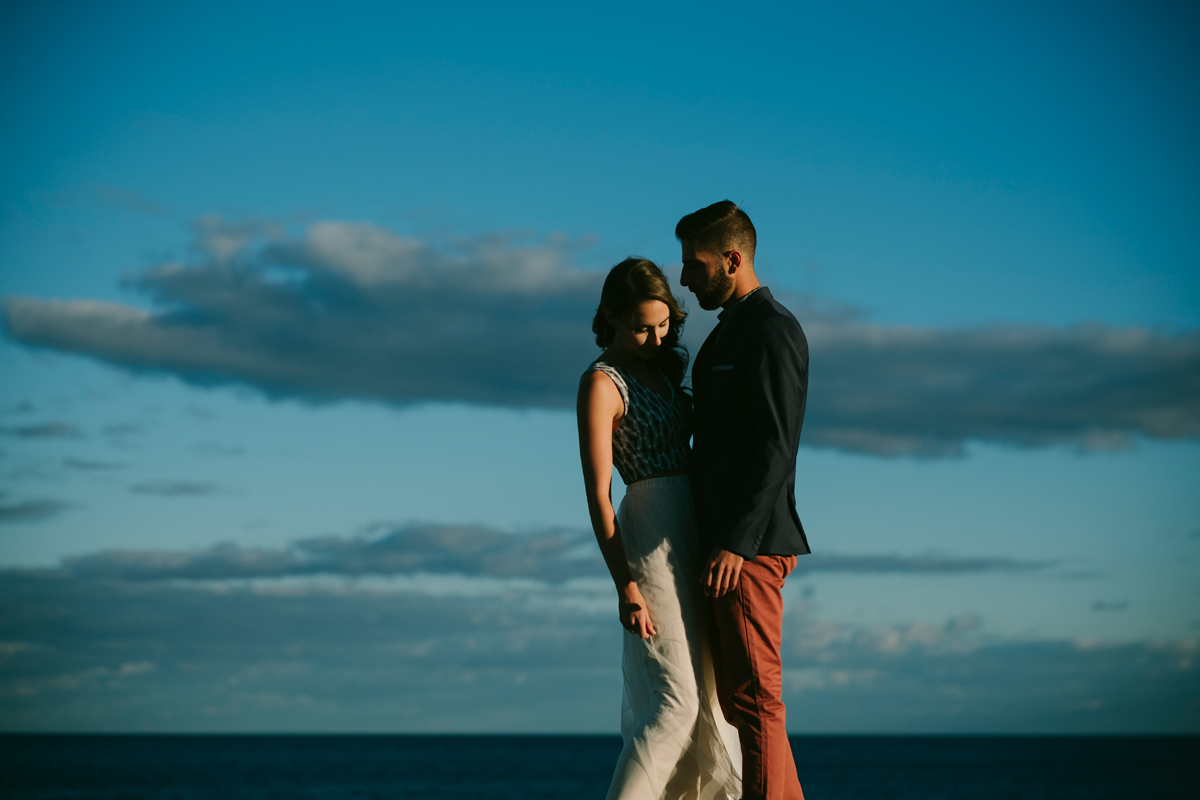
{"x":586,"y":734}
{"x":457,"y":766}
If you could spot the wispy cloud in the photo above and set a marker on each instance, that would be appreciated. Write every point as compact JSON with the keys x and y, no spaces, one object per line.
{"x":29,"y":510}
{"x":87,"y":651}
{"x":1110,"y":605}
{"x":102,"y":196}
{"x":553,"y":556}
{"x":955,"y":677}
{"x":897,"y":390}
{"x":331,"y":659}
{"x":351,"y":310}
{"x":42,"y":430}
{"x":164,"y":488}
{"x":88,"y":465}
{"x":927,"y":565}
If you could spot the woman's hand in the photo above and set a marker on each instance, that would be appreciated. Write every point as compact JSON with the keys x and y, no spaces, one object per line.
{"x":635,"y":615}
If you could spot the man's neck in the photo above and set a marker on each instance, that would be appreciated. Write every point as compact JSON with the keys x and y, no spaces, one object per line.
{"x":740,"y":290}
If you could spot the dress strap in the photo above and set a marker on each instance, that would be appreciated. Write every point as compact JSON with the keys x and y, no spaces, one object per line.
{"x":617,"y":378}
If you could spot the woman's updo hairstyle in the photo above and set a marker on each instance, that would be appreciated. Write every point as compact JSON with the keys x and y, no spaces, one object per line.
{"x":629,"y":284}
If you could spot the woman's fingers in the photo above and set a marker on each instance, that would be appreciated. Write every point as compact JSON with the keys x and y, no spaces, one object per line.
{"x":645,"y":625}
{"x":636,"y":619}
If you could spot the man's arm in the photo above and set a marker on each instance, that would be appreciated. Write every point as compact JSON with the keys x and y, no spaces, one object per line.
{"x":777,"y":384}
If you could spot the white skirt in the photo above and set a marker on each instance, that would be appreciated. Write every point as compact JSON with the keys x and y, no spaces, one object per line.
{"x":677,"y":743}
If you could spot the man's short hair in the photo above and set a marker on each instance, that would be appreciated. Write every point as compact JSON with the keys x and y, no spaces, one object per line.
{"x":718,"y":228}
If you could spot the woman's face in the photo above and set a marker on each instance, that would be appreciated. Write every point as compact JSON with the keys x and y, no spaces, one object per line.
{"x":642,"y":332}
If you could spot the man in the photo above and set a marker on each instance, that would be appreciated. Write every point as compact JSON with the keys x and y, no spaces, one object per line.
{"x":750,"y":381}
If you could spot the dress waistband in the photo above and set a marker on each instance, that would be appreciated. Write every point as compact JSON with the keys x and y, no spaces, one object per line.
{"x":679,"y":476}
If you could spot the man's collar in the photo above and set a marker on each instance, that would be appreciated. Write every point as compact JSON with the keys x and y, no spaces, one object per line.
{"x":729,"y":312}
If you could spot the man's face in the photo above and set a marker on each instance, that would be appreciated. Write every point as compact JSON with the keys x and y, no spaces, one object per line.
{"x":706,"y":275}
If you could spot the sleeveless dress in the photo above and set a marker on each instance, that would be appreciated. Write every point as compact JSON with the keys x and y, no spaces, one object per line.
{"x":677,"y":744}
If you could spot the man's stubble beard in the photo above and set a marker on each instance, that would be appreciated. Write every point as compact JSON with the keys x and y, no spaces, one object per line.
{"x":714,"y":291}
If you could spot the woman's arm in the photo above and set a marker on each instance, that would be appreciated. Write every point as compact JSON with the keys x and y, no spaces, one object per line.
{"x":599,"y":409}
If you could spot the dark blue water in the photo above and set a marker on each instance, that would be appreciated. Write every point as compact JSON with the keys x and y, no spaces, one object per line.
{"x":578,"y":767}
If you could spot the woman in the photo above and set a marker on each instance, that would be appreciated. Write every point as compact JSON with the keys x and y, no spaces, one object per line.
{"x":634,"y":412}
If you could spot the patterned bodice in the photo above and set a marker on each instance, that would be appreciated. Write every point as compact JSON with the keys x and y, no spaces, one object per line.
{"x":653,"y":435}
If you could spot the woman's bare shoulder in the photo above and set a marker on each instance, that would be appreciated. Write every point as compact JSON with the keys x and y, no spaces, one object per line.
{"x":599,"y":390}
{"x":597,"y":380}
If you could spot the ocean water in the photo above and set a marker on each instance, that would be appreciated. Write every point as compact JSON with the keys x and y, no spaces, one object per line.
{"x":577,"y":767}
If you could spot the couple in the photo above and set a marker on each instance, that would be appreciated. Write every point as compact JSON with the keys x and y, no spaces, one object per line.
{"x":705,"y":536}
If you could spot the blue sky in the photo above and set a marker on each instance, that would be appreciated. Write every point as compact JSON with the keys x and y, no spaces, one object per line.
{"x":295,"y":297}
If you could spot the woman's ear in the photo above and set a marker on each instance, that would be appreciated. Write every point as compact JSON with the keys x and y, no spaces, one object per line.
{"x":608,"y":317}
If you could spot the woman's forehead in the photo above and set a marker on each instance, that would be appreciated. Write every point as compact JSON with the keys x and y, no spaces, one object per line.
{"x":650,"y":311}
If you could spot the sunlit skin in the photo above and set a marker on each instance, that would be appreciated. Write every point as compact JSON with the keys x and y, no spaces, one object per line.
{"x":718,"y":280}
{"x":599,"y":411}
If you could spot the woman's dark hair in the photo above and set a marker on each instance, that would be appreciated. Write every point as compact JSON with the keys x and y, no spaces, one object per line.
{"x":629,"y":284}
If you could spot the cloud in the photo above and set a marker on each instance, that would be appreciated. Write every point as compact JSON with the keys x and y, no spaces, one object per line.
{"x":1110,"y":605}
{"x":217,"y":449}
{"x":87,"y":652}
{"x":87,"y":465}
{"x":928,"y":565}
{"x":921,"y":677}
{"x":175,"y":488}
{"x":552,"y":556}
{"x":898,"y":390}
{"x":121,"y":429}
{"x":111,"y":655}
{"x":346,"y":310}
{"x":102,"y":196}
{"x":30,"y":510}
{"x":43,"y":430}
{"x":351,"y":310}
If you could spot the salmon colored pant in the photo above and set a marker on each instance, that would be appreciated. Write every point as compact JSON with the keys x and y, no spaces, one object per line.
{"x":748,"y":627}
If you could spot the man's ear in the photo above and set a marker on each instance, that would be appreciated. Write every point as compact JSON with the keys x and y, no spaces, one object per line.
{"x":608,"y":316}
{"x":735,"y":260}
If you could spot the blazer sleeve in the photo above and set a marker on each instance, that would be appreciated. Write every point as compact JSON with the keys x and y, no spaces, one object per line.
{"x":777,"y":382}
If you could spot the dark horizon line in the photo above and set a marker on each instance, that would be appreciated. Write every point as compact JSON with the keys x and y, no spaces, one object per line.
{"x":450,"y":735}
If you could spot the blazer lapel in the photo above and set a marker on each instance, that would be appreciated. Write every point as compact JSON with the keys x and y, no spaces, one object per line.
{"x":703,"y":364}
{"x":718,"y":342}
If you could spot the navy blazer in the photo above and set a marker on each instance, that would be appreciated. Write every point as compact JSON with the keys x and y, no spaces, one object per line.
{"x":750,"y":384}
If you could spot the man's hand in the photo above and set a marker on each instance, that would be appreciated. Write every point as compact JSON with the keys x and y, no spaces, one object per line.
{"x":721,"y":575}
{"x":635,"y":616}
